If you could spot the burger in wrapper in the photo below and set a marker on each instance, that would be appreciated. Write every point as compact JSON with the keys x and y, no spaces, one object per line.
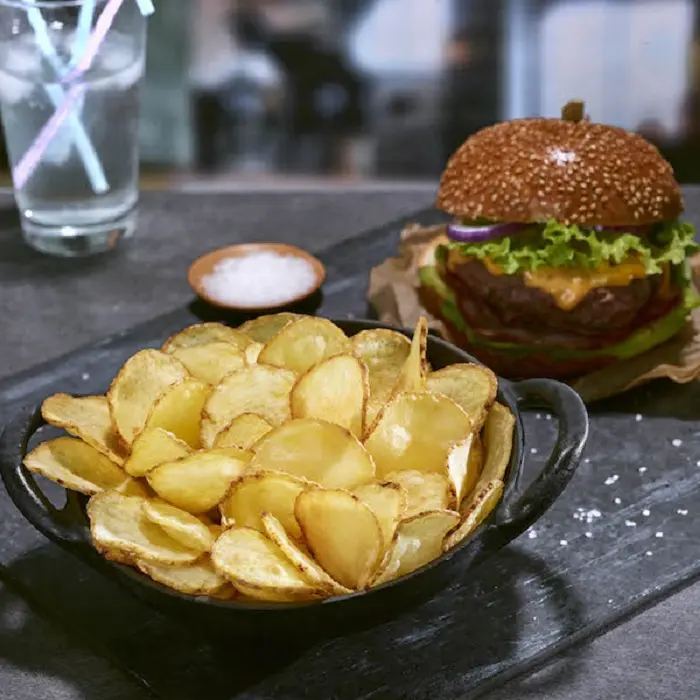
{"x":565,"y":254}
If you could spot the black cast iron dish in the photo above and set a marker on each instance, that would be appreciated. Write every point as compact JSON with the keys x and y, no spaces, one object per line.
{"x":518,"y":510}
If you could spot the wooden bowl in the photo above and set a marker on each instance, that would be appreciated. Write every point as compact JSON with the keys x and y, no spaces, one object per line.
{"x":203,"y":266}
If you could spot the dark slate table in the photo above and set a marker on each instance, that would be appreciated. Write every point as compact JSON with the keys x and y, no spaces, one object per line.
{"x":48,"y":307}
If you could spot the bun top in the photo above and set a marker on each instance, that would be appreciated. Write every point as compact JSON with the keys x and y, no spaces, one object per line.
{"x":533,"y":170}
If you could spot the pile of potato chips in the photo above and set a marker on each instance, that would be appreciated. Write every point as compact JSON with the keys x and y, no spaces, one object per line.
{"x":282,"y":460}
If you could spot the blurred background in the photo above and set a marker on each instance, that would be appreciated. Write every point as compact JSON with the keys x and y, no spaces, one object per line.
{"x":357,"y":89}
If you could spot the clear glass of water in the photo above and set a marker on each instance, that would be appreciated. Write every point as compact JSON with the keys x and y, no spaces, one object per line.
{"x":72,"y":124}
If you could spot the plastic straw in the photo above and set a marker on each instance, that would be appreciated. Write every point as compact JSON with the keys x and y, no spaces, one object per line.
{"x":35,"y":152}
{"x":93,"y":44}
{"x":83,"y":144}
{"x":146,"y":7}
{"x":82,"y":29}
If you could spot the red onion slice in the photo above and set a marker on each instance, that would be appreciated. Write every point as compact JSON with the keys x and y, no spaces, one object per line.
{"x":478,"y":234}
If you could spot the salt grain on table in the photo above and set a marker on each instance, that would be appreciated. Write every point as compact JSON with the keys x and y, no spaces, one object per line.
{"x":682,"y":511}
{"x":659,"y":534}
{"x":641,"y":470}
{"x":563,"y":543}
{"x":611,"y":479}
{"x":630,"y":523}
{"x":638,"y":417}
{"x":589,"y":535}
{"x":646,"y":512}
{"x":259,"y":279}
{"x":617,"y":501}
{"x":676,"y":442}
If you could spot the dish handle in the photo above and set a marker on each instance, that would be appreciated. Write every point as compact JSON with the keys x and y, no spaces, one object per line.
{"x":64,"y":526}
{"x":521,"y":509}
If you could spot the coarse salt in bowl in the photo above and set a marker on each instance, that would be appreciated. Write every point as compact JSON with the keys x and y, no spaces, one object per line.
{"x":256,"y":276}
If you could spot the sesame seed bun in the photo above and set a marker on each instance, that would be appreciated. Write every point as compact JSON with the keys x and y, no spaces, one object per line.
{"x":533,"y":170}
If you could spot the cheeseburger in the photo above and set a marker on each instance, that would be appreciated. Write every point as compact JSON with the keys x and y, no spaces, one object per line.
{"x":565,"y":253}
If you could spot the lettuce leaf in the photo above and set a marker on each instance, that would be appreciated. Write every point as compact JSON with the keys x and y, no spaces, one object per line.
{"x":640,"y":341}
{"x":558,"y":245}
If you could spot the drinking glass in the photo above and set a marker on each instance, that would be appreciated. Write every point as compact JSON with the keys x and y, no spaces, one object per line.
{"x":70,"y":74}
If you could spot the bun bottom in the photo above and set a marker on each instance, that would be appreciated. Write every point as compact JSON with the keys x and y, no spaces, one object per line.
{"x":521,"y":365}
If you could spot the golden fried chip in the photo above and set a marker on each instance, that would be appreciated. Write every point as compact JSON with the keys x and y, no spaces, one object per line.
{"x":470,"y":386}
{"x":211,"y":362}
{"x":384,"y":352}
{"x":498,"y":443}
{"x":243,"y":431}
{"x":261,"y":329}
{"x":263,"y":492}
{"x":199,"y":578}
{"x":413,"y":373}
{"x":252,"y":352}
{"x":342,"y":533}
{"x":204,"y":333}
{"x":179,"y":411}
{"x":180,"y":525}
{"x":153,"y":447}
{"x":417,"y":542}
{"x":315,"y":450}
{"x":424,"y":490}
{"x":256,"y":389}
{"x":462,"y":470}
{"x":140,"y":382}
{"x":303,"y":344}
{"x":416,"y":431}
{"x":387,"y":501}
{"x":199,"y":482}
{"x":258,"y":568}
{"x":134,"y":487}
{"x":309,"y":569}
{"x":475,"y":511}
{"x":87,"y":418}
{"x":335,"y":390}
{"x":119,"y":526}
{"x":75,"y":465}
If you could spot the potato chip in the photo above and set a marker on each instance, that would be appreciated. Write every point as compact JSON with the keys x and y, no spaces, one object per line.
{"x":261,"y":329}
{"x":180,"y":525}
{"x":423,"y":490}
{"x":243,"y":431}
{"x":74,"y":465}
{"x":384,"y":352}
{"x":199,"y":482}
{"x":252,"y":352}
{"x":135,"y":487}
{"x":413,"y":373}
{"x":387,"y":501}
{"x":416,"y":431}
{"x":257,"y":566}
{"x":263,"y":492}
{"x":205,"y":333}
{"x":498,"y":443}
{"x":315,"y":450}
{"x":303,"y":344}
{"x":179,"y":411}
{"x":211,"y":362}
{"x":153,"y":447}
{"x":335,"y":390}
{"x":418,"y":540}
{"x":140,"y":382}
{"x":475,"y":511}
{"x":199,"y":578}
{"x":87,"y":418}
{"x":309,"y":569}
{"x":342,"y":533}
{"x":119,"y":526}
{"x":470,"y":386}
{"x":462,"y":470}
{"x":256,"y":389}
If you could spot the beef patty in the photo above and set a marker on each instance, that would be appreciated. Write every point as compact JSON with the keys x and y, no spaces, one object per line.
{"x":504,"y":307}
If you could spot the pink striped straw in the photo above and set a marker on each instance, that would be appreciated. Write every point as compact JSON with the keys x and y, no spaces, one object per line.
{"x":24,"y":169}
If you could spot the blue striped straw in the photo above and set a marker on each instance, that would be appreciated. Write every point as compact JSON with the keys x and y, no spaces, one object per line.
{"x":83,"y":144}
{"x":82,"y":29}
{"x":146,"y":7}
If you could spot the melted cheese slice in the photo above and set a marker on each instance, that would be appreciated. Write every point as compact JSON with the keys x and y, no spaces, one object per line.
{"x":568,"y":286}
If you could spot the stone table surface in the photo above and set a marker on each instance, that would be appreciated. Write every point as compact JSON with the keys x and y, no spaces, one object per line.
{"x":48,"y":307}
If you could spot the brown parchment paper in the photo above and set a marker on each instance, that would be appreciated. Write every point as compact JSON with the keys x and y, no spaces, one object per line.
{"x":393,"y":292}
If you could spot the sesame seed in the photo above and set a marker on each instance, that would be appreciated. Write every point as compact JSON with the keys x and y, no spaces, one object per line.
{"x":630,"y":523}
{"x":617,"y":501}
{"x":659,"y":534}
{"x":638,"y":417}
{"x":676,"y":442}
{"x":648,"y":553}
{"x":533,"y":450}
{"x":589,"y":535}
{"x":532,"y":534}
{"x":682,"y":511}
{"x":563,"y":543}
{"x":641,"y":470}
{"x":611,"y":480}
{"x":646,"y":512}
